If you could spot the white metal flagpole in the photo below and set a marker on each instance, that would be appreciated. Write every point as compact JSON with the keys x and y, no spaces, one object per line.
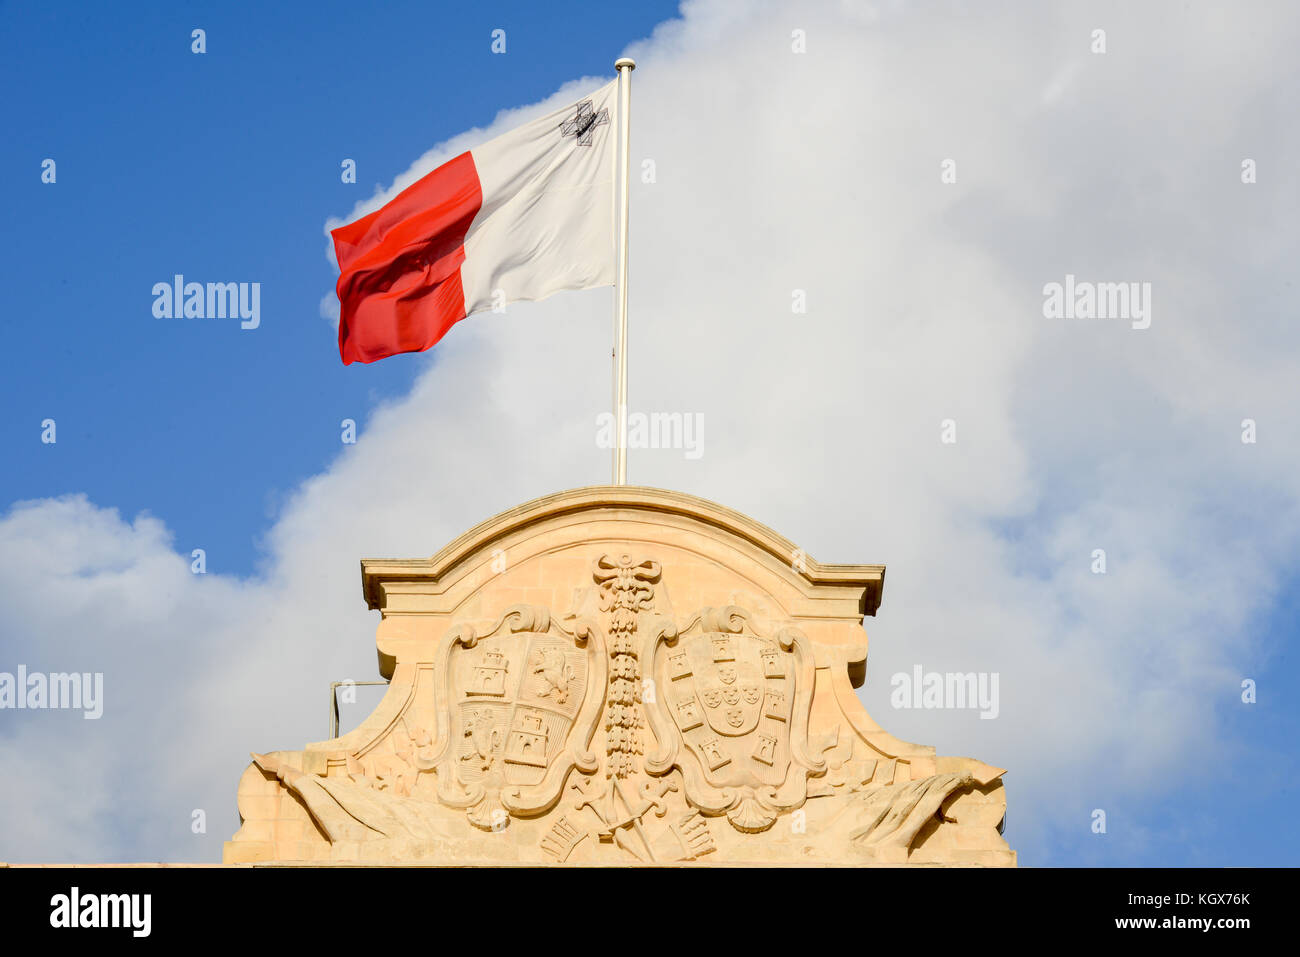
{"x":624,"y":66}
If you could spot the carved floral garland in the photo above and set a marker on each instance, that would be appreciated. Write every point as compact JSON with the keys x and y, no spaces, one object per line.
{"x":625,"y":589}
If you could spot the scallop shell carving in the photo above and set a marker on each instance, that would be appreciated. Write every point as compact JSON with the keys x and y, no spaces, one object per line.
{"x":750,"y":816}
{"x":488,"y":814}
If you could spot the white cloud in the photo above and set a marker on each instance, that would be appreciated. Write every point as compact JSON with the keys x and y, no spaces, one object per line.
{"x":820,"y":172}
{"x":329,"y":308}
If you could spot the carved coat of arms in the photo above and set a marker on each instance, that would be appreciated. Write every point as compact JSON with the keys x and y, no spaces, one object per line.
{"x":513,"y":702}
{"x":738,"y":701}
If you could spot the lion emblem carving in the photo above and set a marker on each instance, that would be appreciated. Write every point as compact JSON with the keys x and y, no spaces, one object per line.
{"x":551,"y":673}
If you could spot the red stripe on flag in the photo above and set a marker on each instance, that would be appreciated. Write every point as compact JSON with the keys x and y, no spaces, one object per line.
{"x":399,"y":282}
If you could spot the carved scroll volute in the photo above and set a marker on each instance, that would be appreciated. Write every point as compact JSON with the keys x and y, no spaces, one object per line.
{"x":518,"y":709}
{"x":790,"y":638}
{"x":662,"y":631}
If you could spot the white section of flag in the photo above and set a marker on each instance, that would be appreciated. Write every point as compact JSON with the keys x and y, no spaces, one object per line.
{"x":547,"y":218}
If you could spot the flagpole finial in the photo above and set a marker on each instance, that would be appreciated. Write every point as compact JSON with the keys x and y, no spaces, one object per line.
{"x":625,"y":61}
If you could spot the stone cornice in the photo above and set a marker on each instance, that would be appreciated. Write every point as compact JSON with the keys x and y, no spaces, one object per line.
{"x":376,"y":572}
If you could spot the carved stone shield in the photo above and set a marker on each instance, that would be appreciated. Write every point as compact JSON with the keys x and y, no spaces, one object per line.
{"x":519,"y":709}
{"x":730,"y":696}
{"x":516,"y":698}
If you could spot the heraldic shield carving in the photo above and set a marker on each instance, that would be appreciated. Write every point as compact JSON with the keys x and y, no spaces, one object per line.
{"x":739,"y":702}
{"x":620,"y":675}
{"x":512,"y":702}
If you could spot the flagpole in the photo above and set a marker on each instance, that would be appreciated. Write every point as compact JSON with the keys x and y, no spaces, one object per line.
{"x":624,"y":66}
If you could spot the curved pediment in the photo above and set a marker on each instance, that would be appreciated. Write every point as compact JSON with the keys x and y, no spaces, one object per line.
{"x":603,"y":502}
{"x":619,"y":675}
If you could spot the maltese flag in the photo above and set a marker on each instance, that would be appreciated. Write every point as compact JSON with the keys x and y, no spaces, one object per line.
{"x":522,"y":216}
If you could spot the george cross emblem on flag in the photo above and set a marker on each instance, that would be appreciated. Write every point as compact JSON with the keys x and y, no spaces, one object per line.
{"x":583,"y":123}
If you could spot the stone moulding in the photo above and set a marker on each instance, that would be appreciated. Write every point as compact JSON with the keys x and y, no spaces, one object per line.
{"x":620,"y":675}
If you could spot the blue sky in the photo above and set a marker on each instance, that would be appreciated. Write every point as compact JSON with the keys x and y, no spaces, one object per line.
{"x":223,"y":167}
{"x":820,"y":173}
